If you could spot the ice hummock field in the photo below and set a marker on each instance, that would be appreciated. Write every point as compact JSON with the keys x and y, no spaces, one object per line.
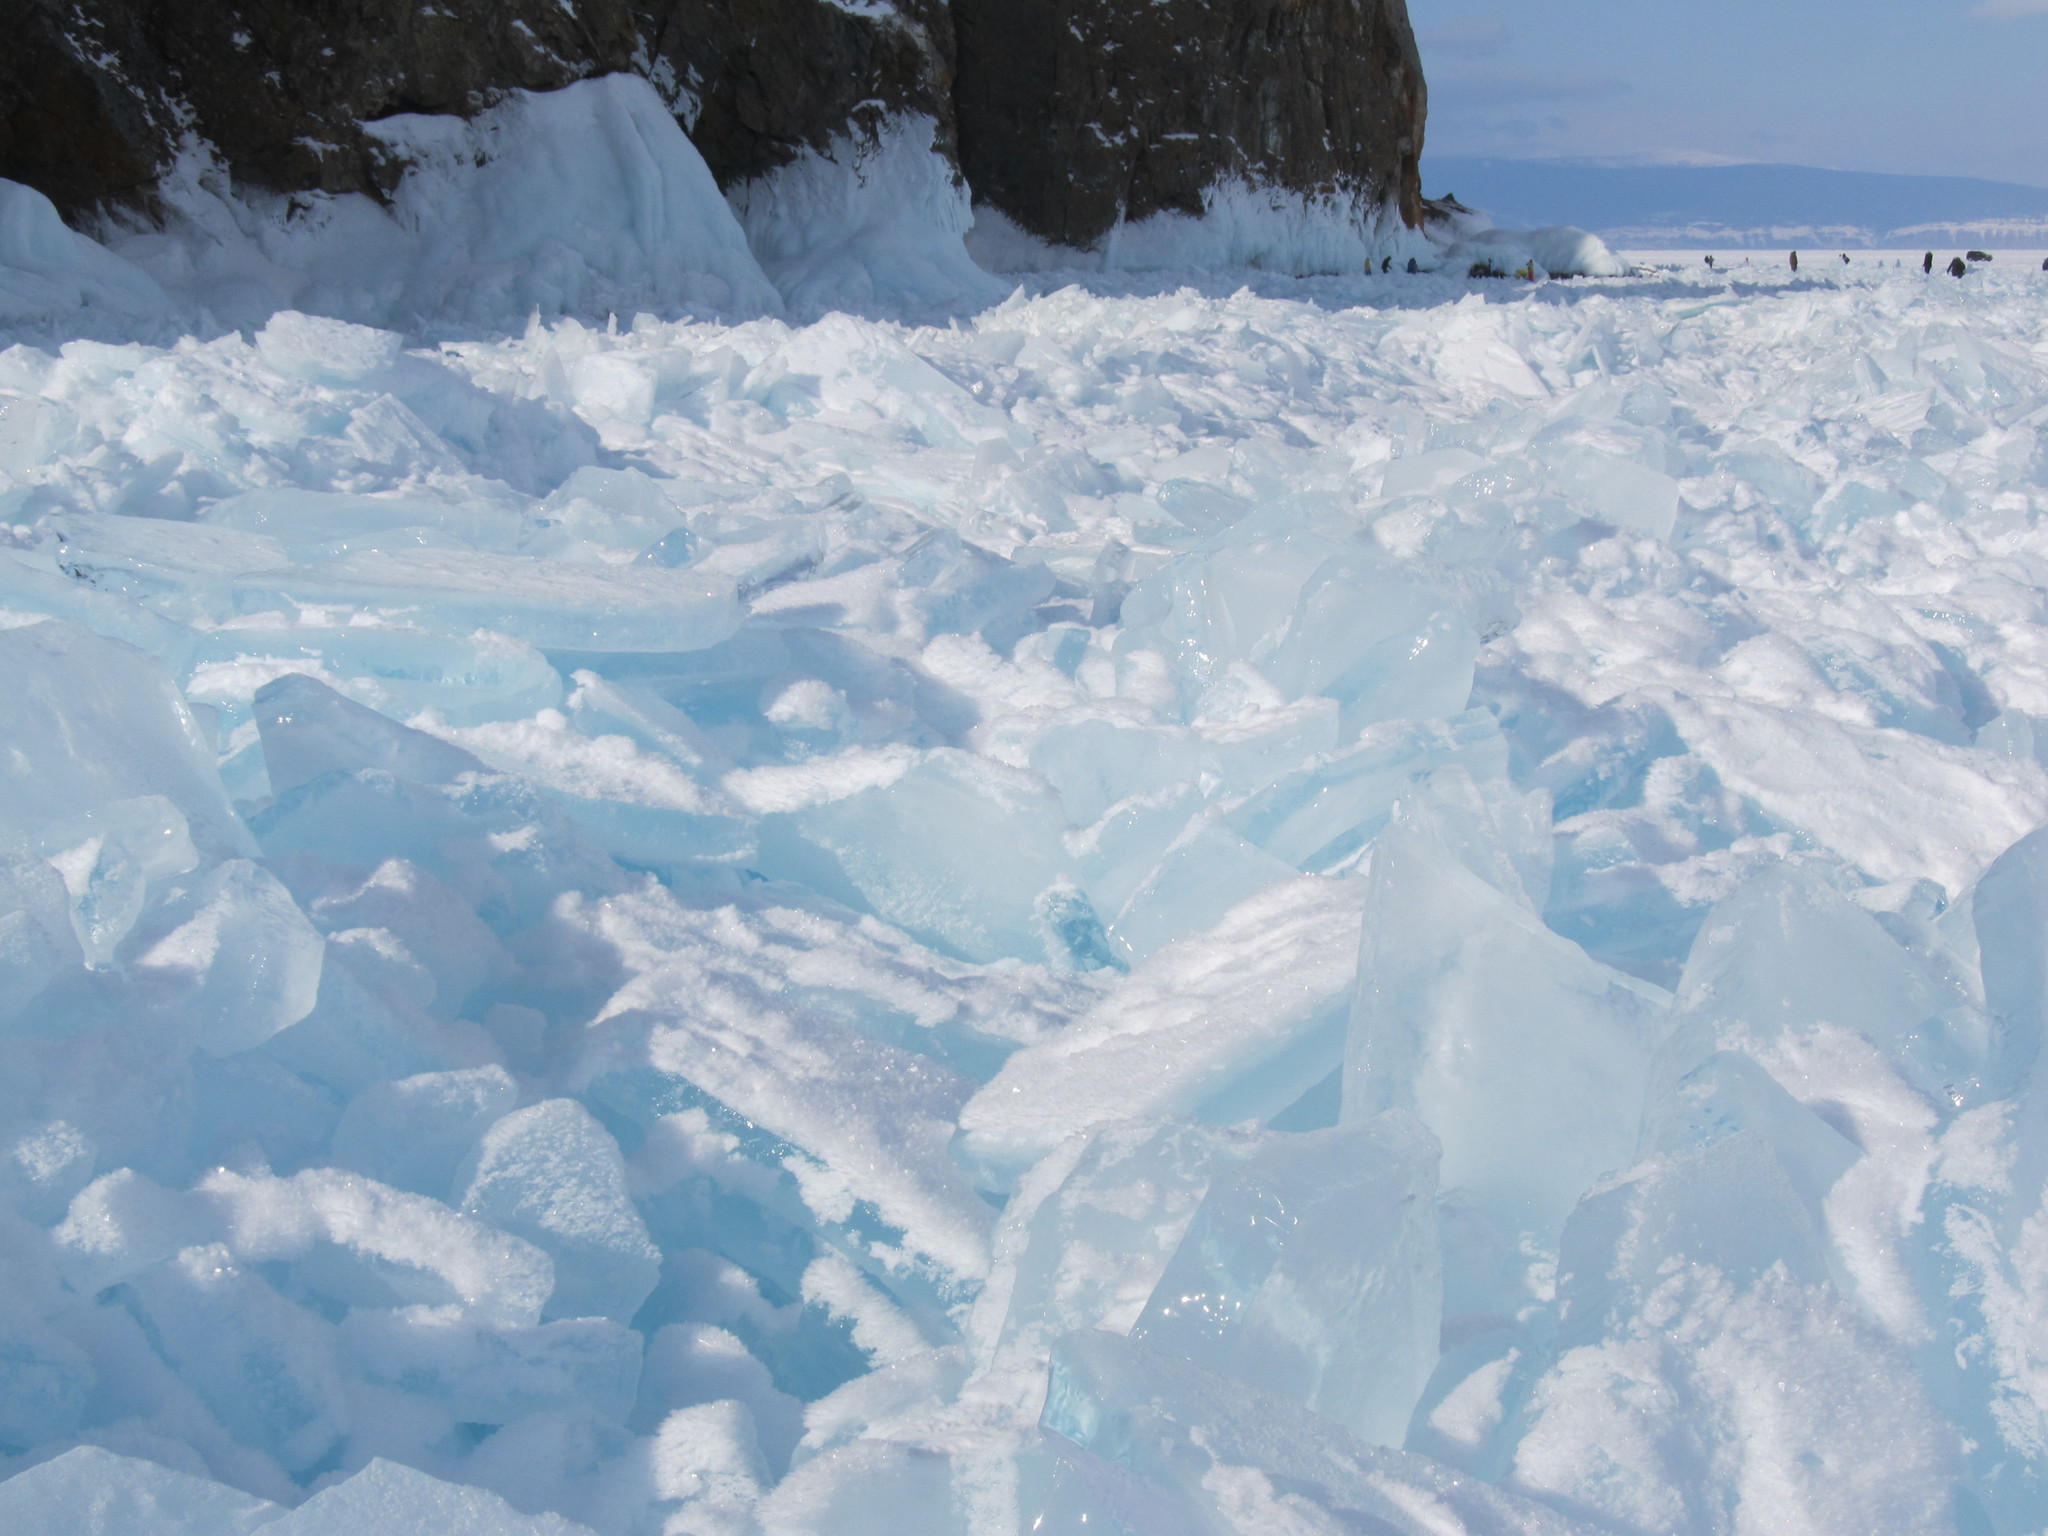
{"x":1218,"y":905}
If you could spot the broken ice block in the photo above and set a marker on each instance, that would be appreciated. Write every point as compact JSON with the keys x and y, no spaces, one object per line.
{"x":90,"y":721}
{"x":243,"y":964}
{"x":265,"y":1367}
{"x":88,"y":1491}
{"x":554,"y":604}
{"x":1787,"y":953}
{"x":414,"y":1133}
{"x":394,"y":1500}
{"x":1312,"y":1270}
{"x":1528,"y":1060}
{"x":1233,"y":1458}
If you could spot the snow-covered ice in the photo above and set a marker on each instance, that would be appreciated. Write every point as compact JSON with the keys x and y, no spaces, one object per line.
{"x":1189,"y":903}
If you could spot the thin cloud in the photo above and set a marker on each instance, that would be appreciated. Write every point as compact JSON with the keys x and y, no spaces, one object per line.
{"x":2010,"y":10}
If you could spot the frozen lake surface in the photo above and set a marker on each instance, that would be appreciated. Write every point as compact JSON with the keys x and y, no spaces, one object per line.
{"x":1275,"y":906}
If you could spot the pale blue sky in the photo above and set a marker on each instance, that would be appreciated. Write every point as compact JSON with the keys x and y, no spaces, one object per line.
{"x":1941,"y":87}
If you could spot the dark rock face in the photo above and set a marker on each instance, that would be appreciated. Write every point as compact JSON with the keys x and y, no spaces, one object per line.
{"x":1070,"y":113}
{"x":93,"y":97}
{"x":279,"y":87}
{"x":770,"y":78}
{"x":1073,"y":113}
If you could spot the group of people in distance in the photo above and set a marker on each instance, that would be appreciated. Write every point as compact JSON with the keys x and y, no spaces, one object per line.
{"x":1957,"y":267}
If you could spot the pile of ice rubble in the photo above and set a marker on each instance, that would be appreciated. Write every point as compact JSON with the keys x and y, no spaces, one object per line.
{"x":1161,"y":913}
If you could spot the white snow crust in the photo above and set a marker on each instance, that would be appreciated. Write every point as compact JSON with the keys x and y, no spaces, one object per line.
{"x":1233,"y":904}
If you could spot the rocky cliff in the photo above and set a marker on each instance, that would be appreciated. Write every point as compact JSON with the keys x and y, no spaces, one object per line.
{"x":1067,"y":115}
{"x":1075,"y":114}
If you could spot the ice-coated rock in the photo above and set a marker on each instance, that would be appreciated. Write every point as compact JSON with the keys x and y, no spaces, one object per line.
{"x":89,"y":1491}
{"x":551,"y":1174}
{"x":1312,"y":1270}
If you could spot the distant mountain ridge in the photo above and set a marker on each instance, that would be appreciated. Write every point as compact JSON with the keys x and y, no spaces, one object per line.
{"x":1745,"y":206}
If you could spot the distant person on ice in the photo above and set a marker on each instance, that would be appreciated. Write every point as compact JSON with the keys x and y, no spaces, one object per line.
{"x":1927,"y":265}
{"x":1795,"y":261}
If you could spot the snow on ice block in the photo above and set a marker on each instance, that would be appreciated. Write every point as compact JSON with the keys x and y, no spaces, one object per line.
{"x":324,"y":351}
{"x":1159,"y":1436}
{"x":1694,"y":1305}
{"x":423,"y":923}
{"x":393,"y":1500}
{"x":1207,"y":870}
{"x":551,"y":1174}
{"x":1312,"y":1270}
{"x":357,"y":1241}
{"x":1315,"y":621}
{"x":1233,"y":1024}
{"x":549,"y":604}
{"x":89,"y":721}
{"x":635,"y":803}
{"x":839,"y":1133}
{"x":1095,"y":760}
{"x":93,"y":1492}
{"x":868,"y":1488}
{"x":1529,"y":1060}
